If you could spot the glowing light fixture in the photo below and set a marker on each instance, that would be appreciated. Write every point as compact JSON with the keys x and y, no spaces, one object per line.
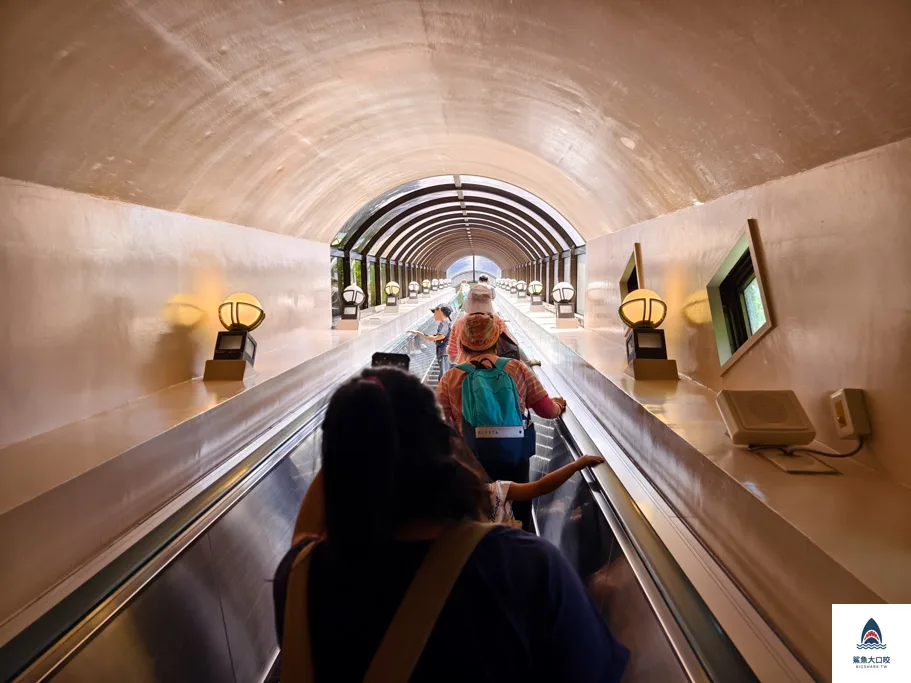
{"x":563,"y":292}
{"x":521,"y":288}
{"x":642,"y":308}
{"x":413,"y":289}
{"x":642,"y":311}
{"x":425,"y":286}
{"x":235,"y":348}
{"x":392,"y":290}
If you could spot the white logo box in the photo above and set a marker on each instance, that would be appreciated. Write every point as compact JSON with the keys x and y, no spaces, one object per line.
{"x":886,"y":654}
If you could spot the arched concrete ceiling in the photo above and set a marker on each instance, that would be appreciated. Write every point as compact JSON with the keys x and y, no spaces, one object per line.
{"x":290,"y":115}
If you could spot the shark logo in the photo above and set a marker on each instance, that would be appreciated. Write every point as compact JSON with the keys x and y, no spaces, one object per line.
{"x":872,"y":638}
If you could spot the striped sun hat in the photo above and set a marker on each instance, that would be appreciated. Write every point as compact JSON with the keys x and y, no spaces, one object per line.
{"x":480,"y":332}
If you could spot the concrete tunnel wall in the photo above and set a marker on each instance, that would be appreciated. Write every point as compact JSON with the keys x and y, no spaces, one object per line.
{"x":287,"y":117}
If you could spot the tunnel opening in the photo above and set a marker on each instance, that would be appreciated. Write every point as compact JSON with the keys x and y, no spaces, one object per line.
{"x":435,"y":227}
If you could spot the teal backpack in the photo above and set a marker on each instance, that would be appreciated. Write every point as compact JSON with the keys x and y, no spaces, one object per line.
{"x":492,"y":422}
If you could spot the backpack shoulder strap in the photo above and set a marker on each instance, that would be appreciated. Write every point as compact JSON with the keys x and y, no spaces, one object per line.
{"x":416,"y":616}
{"x":296,"y":657}
{"x":466,"y":367}
{"x":501,"y":363}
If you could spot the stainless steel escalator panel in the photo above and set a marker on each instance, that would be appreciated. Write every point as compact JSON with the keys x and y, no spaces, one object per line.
{"x":172,"y":631}
{"x":571,"y":519}
{"x":247,"y":544}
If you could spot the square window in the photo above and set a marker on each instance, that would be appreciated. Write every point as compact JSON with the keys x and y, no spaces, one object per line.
{"x":740,"y":313}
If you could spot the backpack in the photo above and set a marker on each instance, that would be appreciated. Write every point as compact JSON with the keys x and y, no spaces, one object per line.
{"x":492,"y":422}
{"x":507,"y":348}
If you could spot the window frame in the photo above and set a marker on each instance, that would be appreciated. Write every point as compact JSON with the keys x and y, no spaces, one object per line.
{"x":730,"y":319}
{"x":633,"y":266}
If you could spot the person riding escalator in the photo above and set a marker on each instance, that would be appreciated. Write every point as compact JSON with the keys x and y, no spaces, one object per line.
{"x":403,"y":585}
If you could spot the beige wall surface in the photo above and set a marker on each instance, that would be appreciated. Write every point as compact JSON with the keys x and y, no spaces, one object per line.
{"x":836,"y":247}
{"x":86,"y":284}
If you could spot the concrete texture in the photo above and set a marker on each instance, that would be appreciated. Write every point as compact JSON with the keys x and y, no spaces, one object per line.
{"x":289,"y":115}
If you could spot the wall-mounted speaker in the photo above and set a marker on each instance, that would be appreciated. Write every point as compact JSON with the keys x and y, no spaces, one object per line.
{"x":765,"y":418}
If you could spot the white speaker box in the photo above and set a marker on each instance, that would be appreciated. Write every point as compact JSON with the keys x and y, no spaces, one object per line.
{"x":765,"y":418}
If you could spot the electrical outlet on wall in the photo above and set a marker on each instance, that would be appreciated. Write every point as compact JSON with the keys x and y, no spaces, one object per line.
{"x":850,"y":412}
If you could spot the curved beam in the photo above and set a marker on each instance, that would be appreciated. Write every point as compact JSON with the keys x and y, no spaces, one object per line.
{"x":459,"y":232}
{"x":409,"y":247}
{"x":485,"y":234}
{"x":480,"y":203}
{"x":483,"y":246}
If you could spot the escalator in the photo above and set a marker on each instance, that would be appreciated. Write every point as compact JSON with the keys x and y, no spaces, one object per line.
{"x":192,"y":600}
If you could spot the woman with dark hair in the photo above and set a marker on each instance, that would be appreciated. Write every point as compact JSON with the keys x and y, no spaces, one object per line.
{"x":402,"y":587}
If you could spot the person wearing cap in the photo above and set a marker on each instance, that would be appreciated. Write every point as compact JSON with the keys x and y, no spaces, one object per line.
{"x":478,"y":338}
{"x":441,"y":338}
{"x":478,"y":302}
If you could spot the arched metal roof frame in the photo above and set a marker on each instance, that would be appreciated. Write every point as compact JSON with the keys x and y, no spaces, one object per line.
{"x":454,"y":254}
{"x":428,"y":231}
{"x":443,"y":252}
{"x":440,"y":232}
{"x":415,"y":229}
{"x":478,"y":190}
{"x":529,"y":199}
{"x":492,"y":234}
{"x":530,"y":224}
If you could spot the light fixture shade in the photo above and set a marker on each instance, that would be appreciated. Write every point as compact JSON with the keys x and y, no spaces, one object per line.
{"x":392,"y":287}
{"x":425,"y":284}
{"x":241,"y":311}
{"x":414,"y":286}
{"x":353,"y":295}
{"x":521,"y":285}
{"x":642,"y":308}
{"x":535,"y":287}
{"x":434,"y":283}
{"x":563,"y":292}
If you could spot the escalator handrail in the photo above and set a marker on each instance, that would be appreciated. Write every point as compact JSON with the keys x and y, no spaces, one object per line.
{"x":706,"y":639}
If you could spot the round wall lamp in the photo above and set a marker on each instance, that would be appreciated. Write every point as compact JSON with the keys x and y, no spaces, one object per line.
{"x":536,"y":295}
{"x":642,"y":308}
{"x":413,"y":289}
{"x":235,"y":347}
{"x":563,"y":294}
{"x":642,"y":311}
{"x":392,"y":290}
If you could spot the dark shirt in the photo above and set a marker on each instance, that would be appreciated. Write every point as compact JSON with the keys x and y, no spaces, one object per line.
{"x":518,"y":613}
{"x":444,"y":327}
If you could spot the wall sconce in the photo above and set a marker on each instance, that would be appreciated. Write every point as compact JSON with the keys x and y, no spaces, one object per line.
{"x":425,"y":286}
{"x":392,"y":290}
{"x":413,"y":289}
{"x":642,"y":311}
{"x":434,"y":284}
{"x":235,"y":348}
{"x":563,"y":294}
{"x":521,"y":288}
{"x":353,"y":297}
{"x":536,"y":294}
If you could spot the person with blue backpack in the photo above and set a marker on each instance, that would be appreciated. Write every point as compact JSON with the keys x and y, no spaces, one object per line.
{"x":487,"y":400}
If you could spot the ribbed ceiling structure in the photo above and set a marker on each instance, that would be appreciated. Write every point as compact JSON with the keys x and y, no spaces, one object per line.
{"x":435,"y":221}
{"x":290,"y":115}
